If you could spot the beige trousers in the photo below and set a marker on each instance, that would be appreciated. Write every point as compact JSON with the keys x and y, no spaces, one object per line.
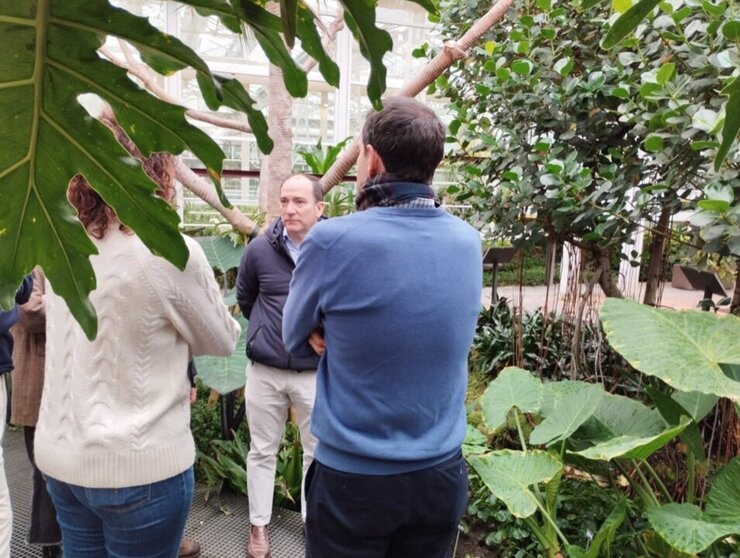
{"x":269,"y":394}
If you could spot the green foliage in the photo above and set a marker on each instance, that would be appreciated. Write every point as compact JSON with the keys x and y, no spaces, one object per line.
{"x":558,"y":137}
{"x":226,"y":374}
{"x":684,"y":349}
{"x":689,"y":529}
{"x":320,"y":159}
{"x":48,"y":137}
{"x":221,"y":252}
{"x":339,"y":201}
{"x":223,"y":463}
{"x":545,"y":346}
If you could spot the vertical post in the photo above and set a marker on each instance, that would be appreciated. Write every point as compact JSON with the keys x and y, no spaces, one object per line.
{"x":494,"y":282}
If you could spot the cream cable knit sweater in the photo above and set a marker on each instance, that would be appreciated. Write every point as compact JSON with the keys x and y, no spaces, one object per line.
{"x":115,"y":411}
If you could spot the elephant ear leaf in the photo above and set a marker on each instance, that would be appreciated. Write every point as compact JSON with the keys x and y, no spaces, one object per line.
{"x":690,"y":351}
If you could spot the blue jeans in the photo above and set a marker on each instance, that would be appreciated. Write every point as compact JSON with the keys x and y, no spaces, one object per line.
{"x":135,"y":522}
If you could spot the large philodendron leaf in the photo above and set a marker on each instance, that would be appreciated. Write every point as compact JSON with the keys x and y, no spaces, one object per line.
{"x":221,"y":252}
{"x":509,"y":474}
{"x":225,"y":374}
{"x":374,"y":43}
{"x":566,"y":406}
{"x":513,"y":387}
{"x":687,"y":529}
{"x":267,"y":27}
{"x":684,"y":349}
{"x":50,"y":59}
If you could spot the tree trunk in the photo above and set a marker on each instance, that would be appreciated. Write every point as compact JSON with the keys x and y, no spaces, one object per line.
{"x":735,"y":305}
{"x":657,"y":255}
{"x":606,"y":277}
{"x":278,"y":165}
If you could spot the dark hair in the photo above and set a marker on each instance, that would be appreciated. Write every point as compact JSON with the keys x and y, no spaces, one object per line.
{"x":93,"y":212}
{"x":318,"y":191}
{"x":408,"y":136}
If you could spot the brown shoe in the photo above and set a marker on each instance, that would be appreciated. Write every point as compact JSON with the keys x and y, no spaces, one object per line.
{"x":259,"y":543}
{"x":189,"y":549}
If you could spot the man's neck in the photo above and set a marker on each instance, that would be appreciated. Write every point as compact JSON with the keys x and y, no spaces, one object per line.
{"x":295,"y":239}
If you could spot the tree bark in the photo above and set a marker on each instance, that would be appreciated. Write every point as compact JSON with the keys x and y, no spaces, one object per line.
{"x":206,"y":191}
{"x":735,"y":304}
{"x":278,"y":165}
{"x":607,"y":281}
{"x":450,"y":53}
{"x":657,"y":254}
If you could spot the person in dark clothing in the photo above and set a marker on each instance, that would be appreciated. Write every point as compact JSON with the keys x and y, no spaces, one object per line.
{"x":7,"y":320}
{"x":29,"y":357}
{"x":276,"y":378}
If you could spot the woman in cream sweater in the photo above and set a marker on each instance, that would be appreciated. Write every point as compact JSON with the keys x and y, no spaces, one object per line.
{"x":113,"y":436}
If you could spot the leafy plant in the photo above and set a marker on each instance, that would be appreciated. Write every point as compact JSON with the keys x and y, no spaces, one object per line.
{"x":224,"y":374}
{"x":51,"y":60}
{"x":224,"y":464}
{"x":574,"y":421}
{"x":320,"y":159}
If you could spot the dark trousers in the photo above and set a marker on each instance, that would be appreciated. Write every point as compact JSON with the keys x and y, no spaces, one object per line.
{"x":409,"y":515}
{"x":43,"y":526}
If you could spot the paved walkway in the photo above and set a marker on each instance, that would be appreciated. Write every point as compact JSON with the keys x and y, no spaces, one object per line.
{"x":220,"y":524}
{"x":534,"y":297}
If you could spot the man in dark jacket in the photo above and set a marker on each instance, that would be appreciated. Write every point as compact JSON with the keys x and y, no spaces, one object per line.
{"x":276,"y":379}
{"x":7,"y":320}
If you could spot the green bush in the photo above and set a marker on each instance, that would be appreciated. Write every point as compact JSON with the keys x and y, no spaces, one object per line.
{"x":583,"y":507}
{"x":546,"y":347}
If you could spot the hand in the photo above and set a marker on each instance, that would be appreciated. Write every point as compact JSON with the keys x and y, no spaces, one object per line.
{"x":316,"y":340}
{"x":193,"y":395}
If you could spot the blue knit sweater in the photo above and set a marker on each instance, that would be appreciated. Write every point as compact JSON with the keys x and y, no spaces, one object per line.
{"x":397,"y":293}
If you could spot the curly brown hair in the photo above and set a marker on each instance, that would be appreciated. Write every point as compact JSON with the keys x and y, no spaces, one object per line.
{"x":93,"y":212}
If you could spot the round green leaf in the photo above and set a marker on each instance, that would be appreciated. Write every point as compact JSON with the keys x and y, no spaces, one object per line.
{"x":225,"y":374}
{"x":723,"y":500}
{"x":220,"y":252}
{"x":731,"y":30}
{"x":665,"y":72}
{"x":509,"y":474}
{"x":653,"y":144}
{"x":522,"y":67}
{"x":514,"y":387}
{"x":564,"y":66}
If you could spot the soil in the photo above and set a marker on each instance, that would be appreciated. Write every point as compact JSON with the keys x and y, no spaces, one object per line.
{"x":469,"y":547}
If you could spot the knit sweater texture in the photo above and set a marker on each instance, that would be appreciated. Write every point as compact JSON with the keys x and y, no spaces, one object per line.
{"x":397,"y":293}
{"x":115,"y":411}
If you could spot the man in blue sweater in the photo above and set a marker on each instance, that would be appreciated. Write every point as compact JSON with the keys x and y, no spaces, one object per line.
{"x":390,"y":295}
{"x":7,"y":320}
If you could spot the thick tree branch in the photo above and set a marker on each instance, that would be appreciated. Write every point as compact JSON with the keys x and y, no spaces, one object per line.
{"x":451,"y":53}
{"x":149,"y":79}
{"x":206,"y":191}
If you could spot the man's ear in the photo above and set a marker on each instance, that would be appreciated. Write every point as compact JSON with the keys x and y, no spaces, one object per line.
{"x":374,"y":162}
